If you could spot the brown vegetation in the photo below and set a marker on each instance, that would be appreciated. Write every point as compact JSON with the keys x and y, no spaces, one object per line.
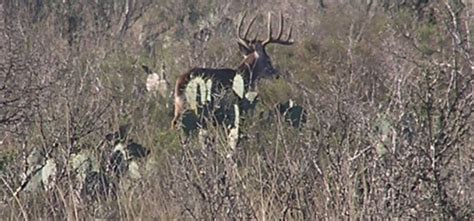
{"x":386,"y":87}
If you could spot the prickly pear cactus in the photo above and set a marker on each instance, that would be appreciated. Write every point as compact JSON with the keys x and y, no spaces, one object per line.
{"x":238,"y":85}
{"x":82,"y":163}
{"x":42,"y":175}
{"x":234,"y":131}
{"x":294,"y":114}
{"x":249,"y":102}
{"x":48,"y":174}
{"x":208,"y":90}
{"x":382,"y":132}
{"x":198,"y":92}
{"x":251,"y":96}
{"x":35,"y":160}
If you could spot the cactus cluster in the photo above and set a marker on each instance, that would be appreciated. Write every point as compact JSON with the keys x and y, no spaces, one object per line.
{"x":204,"y":104}
{"x":96,"y":173}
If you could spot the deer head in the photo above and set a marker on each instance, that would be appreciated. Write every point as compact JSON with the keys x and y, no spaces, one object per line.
{"x":255,"y":56}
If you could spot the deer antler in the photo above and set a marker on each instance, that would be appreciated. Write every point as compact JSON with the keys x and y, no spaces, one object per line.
{"x":243,"y":40}
{"x":278,"y":39}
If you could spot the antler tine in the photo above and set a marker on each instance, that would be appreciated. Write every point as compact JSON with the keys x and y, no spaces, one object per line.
{"x":280,"y":31}
{"x":242,"y":41}
{"x":269,"y":27}
{"x":289,"y":35}
{"x":250,"y":25}
{"x":278,"y":39}
{"x":241,"y":22}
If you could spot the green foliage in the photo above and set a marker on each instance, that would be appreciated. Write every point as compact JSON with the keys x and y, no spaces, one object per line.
{"x":427,"y":34}
{"x":274,"y":92}
{"x":166,"y":140}
{"x":6,"y":158}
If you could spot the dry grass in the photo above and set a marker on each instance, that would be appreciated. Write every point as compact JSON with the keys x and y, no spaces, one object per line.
{"x":388,"y":104}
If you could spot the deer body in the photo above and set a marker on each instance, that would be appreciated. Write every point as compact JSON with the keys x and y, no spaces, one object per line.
{"x":255,"y":65}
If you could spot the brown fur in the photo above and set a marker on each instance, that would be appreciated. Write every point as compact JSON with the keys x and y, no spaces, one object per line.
{"x":179,"y":99}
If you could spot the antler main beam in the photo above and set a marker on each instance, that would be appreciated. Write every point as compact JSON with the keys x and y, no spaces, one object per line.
{"x":278,"y":39}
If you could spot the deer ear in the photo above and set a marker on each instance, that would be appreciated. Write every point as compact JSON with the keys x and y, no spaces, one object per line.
{"x":244,"y":49}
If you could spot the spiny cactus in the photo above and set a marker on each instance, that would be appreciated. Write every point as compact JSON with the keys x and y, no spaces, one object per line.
{"x":294,"y":114}
{"x":82,"y":163}
{"x":234,"y":131}
{"x":382,"y":132}
{"x":238,"y":86}
{"x":88,"y":175}
{"x":122,"y":160}
{"x":40,"y":175}
{"x":156,"y":83}
{"x":198,"y":92}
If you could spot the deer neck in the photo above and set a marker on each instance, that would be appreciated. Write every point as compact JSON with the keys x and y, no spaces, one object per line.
{"x":247,"y":68}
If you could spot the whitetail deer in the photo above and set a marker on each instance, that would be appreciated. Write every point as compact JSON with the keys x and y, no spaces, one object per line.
{"x":255,"y":65}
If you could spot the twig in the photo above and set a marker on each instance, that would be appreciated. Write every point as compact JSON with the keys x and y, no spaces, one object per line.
{"x":22,"y":209}
{"x":26,"y":180}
